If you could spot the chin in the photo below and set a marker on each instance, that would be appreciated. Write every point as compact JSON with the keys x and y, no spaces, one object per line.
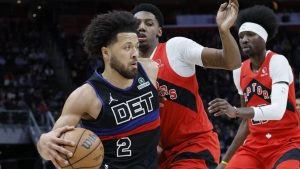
{"x":144,"y":46}
{"x":248,"y":54}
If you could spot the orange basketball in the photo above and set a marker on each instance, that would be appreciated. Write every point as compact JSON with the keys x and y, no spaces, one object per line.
{"x":88,"y":151}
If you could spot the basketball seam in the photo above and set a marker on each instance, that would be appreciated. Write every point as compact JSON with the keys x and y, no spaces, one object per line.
{"x":91,"y":166}
{"x":87,"y":154}
{"x":71,"y":164}
{"x":63,"y":136}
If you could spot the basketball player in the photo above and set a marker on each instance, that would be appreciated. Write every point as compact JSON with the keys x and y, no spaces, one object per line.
{"x":268,"y":136}
{"x":187,"y":138}
{"x":119,"y":104}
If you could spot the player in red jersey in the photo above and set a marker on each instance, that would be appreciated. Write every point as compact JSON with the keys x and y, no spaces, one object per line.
{"x":268,"y":137}
{"x":187,"y":136}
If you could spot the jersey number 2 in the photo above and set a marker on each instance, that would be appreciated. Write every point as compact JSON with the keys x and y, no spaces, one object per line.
{"x":124,"y":145}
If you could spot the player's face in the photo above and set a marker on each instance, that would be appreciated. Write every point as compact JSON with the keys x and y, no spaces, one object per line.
{"x":149,"y":29}
{"x":298,"y":104}
{"x":124,"y":53}
{"x":251,"y":43}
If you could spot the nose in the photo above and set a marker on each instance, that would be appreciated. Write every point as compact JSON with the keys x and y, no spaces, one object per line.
{"x":135,"y":53}
{"x":244,"y":39}
{"x":141,"y":27}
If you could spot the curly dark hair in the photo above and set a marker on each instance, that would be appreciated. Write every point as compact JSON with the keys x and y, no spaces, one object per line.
{"x":104,"y":28}
{"x":152,"y":9}
{"x":262,"y":15}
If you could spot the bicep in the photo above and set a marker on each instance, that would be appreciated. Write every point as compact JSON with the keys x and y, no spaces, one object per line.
{"x":280,"y":70}
{"x":82,"y":101}
{"x":212,"y":58}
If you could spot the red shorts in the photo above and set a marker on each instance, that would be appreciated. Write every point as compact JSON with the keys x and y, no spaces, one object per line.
{"x":273,"y":153}
{"x":202,"y":152}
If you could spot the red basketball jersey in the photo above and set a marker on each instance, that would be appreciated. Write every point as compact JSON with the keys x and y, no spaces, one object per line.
{"x":257,"y":92}
{"x":183,"y":116}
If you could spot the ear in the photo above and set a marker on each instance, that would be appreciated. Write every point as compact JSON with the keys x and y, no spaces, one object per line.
{"x":159,"y":34}
{"x":105,"y":53}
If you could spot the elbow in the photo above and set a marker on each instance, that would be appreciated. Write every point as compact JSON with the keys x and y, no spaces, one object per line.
{"x":280,"y":113}
{"x":278,"y":117}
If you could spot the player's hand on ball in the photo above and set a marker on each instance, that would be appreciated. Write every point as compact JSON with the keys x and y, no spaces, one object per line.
{"x":51,"y":145}
{"x":221,"y":106}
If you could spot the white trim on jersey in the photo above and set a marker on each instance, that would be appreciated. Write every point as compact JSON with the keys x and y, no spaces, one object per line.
{"x":183,"y":54}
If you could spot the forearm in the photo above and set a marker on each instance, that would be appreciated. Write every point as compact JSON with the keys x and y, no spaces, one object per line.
{"x":245,"y":112}
{"x":274,"y":111}
{"x":231,"y":54}
{"x":238,"y":140}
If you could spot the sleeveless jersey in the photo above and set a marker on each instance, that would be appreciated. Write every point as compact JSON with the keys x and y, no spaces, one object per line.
{"x":183,"y":116}
{"x":128,"y":124}
{"x":256,"y":91}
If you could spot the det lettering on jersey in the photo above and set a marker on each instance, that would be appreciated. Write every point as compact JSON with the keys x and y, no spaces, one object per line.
{"x":133,"y":108}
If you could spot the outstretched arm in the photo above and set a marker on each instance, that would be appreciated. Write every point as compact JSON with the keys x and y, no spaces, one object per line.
{"x":228,"y":58}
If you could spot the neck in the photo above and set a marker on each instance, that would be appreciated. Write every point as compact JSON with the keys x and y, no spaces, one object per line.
{"x":257,"y":60}
{"x":116,"y":79}
{"x":147,"y":51}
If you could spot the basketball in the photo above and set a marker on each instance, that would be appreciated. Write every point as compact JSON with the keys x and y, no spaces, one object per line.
{"x":88,"y":151}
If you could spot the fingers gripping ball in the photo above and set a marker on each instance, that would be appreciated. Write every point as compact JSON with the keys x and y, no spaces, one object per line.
{"x":88,"y":151}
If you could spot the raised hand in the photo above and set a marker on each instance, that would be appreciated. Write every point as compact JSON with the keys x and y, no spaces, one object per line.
{"x":227,"y":14}
{"x":50,"y":146}
{"x":221,"y":106}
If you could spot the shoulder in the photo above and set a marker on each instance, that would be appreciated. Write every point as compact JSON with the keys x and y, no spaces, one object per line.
{"x":147,"y":63}
{"x":178,"y":40}
{"x":150,"y":67}
{"x":279,"y":63}
{"x":278,"y":59}
{"x":83,"y":95}
{"x":85,"y":90}
{"x":236,"y":72}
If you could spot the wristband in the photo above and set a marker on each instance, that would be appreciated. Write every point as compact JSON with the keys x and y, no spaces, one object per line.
{"x":224,"y":162}
{"x":236,"y":113}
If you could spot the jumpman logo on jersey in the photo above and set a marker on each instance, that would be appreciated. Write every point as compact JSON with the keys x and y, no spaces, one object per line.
{"x":111,"y":99}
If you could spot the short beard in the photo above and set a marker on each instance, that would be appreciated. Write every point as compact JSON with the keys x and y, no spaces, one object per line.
{"x":115,"y":64}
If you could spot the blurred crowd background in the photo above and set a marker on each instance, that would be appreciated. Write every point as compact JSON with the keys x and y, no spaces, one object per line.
{"x":42,"y":59}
